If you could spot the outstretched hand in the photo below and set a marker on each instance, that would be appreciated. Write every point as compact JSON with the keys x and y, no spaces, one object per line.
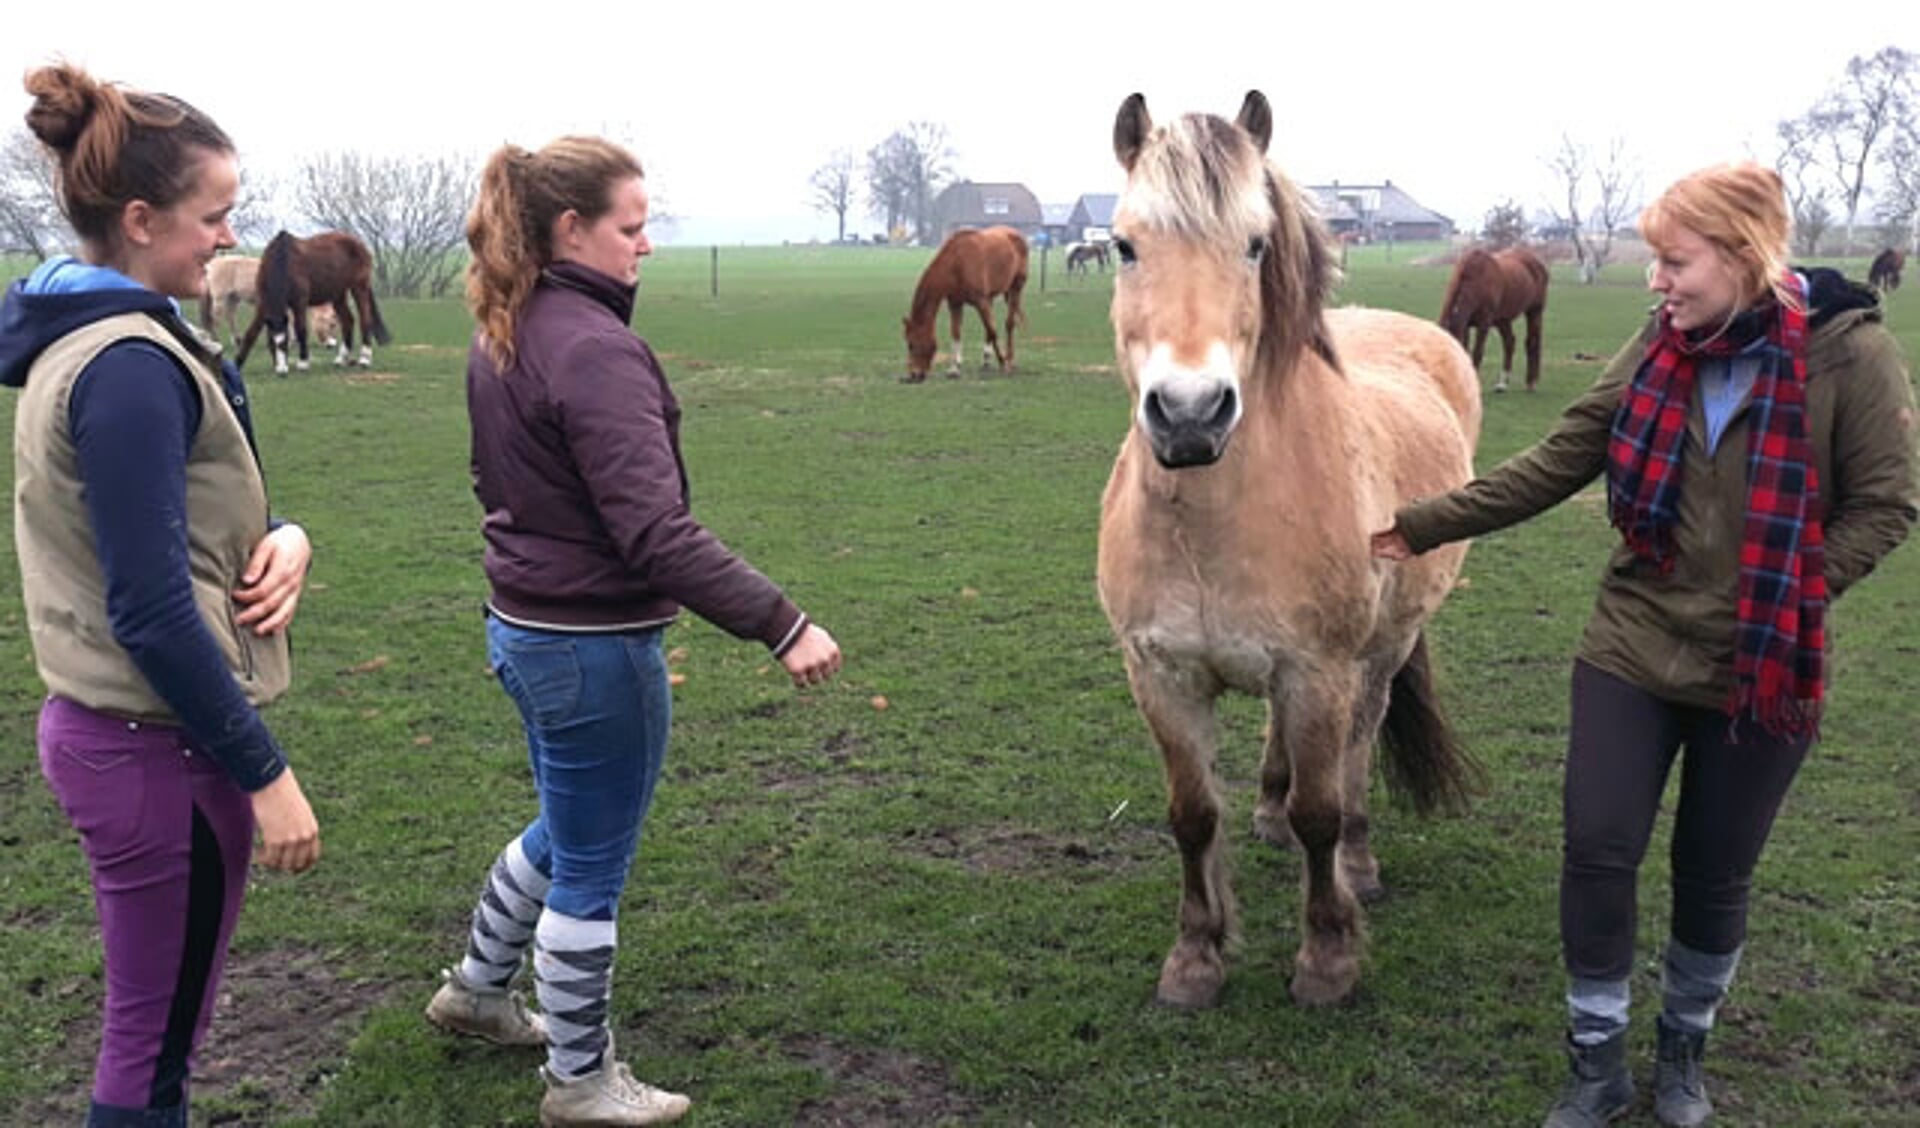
{"x":1389,"y":544}
{"x":270,"y":588}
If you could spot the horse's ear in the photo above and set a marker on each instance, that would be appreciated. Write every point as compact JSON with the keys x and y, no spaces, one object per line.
{"x":1130,"y":129}
{"x":1256,"y":117}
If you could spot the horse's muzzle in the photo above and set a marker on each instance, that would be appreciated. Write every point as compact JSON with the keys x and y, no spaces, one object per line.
{"x":1189,"y":431}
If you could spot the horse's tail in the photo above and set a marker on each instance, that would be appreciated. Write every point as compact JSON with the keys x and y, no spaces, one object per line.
{"x":1425,"y":764}
{"x":274,"y":284}
{"x":376,"y":328}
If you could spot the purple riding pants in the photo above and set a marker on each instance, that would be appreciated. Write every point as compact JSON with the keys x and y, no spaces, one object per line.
{"x":168,"y":837}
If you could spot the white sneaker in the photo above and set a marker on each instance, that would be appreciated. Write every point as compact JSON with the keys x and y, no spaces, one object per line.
{"x":610,"y":1096}
{"x":500,"y":1017}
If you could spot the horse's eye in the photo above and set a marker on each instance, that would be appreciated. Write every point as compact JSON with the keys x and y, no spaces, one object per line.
{"x":1124,"y":249}
{"x":1256,"y":248}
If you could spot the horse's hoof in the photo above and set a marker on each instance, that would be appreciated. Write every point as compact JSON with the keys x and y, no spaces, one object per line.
{"x":1324,"y":988}
{"x":1190,"y":979}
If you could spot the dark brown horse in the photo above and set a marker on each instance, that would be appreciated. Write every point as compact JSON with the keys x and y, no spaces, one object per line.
{"x":329,"y":269}
{"x":1081,"y":255}
{"x":1490,"y":289}
{"x":972,"y":268}
{"x":1884,"y":274}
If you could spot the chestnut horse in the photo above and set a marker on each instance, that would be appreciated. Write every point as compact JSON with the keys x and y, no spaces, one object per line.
{"x":329,"y":269}
{"x":1884,"y":274}
{"x":230,"y":281}
{"x":1491,"y":288}
{"x":1269,"y":438}
{"x":972,"y":268}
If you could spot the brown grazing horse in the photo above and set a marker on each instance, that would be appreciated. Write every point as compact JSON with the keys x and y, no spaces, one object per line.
{"x":1270,"y":437}
{"x":1884,"y":274}
{"x":972,"y":268}
{"x":1491,"y":288}
{"x":230,"y":281}
{"x":329,"y":269}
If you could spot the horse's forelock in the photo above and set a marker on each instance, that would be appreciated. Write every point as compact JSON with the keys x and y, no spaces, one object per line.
{"x":1200,"y":178}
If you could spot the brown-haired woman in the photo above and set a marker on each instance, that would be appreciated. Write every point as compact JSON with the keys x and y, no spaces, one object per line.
{"x":1757,"y":437}
{"x":157,"y":589}
{"x":590,"y":553}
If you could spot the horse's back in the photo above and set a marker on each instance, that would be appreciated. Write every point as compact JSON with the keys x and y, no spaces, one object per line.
{"x":1424,"y":381}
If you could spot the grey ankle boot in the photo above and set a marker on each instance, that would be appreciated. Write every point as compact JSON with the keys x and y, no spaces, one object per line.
{"x":1679,"y":1088}
{"x":1599,"y":1089}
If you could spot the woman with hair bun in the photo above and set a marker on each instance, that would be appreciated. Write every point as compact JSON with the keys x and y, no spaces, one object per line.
{"x":591,"y":550}
{"x":1757,"y":438}
{"x":158,"y":590}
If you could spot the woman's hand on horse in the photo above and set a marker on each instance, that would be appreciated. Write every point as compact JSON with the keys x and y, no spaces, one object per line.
{"x":289,"y":834}
{"x":814,"y":659}
{"x":270,"y":587}
{"x":1390,"y":545}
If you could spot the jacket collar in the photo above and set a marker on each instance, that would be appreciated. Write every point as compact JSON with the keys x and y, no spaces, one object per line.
{"x":612,"y":293}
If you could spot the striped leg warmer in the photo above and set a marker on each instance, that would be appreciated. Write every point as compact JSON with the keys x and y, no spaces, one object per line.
{"x":573,"y":979}
{"x":503,"y":920}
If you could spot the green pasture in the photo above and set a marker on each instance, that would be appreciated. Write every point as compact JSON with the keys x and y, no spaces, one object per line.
{"x":939,"y":889}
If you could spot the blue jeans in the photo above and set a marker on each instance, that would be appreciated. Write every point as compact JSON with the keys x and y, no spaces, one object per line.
{"x":597,"y":710}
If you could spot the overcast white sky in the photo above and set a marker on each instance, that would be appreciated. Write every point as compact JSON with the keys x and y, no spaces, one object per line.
{"x":732,"y":105}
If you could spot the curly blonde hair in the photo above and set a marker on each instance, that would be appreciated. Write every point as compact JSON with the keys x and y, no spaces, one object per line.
{"x":510,"y":229}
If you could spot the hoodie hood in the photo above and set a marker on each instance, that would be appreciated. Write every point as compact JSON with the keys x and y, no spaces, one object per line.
{"x":62,"y":295}
{"x":1830,"y":293}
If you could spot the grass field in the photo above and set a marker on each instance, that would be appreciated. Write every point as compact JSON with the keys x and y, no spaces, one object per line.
{"x":951,"y":909}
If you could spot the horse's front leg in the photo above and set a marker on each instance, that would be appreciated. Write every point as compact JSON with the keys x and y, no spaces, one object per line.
{"x":1319,"y":726}
{"x":990,"y":354}
{"x":1358,"y":865}
{"x":954,"y":311}
{"x":1179,"y":712}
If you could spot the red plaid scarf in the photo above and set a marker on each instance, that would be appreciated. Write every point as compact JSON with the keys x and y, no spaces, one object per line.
{"x":1781,"y":643}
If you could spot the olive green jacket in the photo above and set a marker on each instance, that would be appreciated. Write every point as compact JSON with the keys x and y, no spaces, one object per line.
{"x":1673,"y":635}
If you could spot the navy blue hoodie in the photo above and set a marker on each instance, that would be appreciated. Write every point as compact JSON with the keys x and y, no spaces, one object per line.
{"x":133,"y":416}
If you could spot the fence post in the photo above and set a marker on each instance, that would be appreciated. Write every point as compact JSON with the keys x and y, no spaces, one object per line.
{"x":1044,"y":248}
{"x":713,"y":273}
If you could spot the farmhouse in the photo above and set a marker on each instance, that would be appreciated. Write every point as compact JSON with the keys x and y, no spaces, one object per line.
{"x":1377,"y":213}
{"x":966,"y":203}
{"x":1091,"y":220}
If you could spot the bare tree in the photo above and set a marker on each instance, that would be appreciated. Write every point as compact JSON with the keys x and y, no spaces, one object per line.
{"x":832,"y":187}
{"x":1854,"y":119}
{"x":1617,"y":187}
{"x":30,"y":218}
{"x":1505,"y":225}
{"x":904,"y":174}
{"x":411,"y":213}
{"x":1569,"y":164}
{"x":1901,"y":159}
{"x":1797,"y":162}
{"x":254,"y":218}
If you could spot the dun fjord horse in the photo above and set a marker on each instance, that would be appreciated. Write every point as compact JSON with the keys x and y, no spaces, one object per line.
{"x":1079,"y":255}
{"x":230,"y":281}
{"x":971,"y":269}
{"x":1884,"y":274}
{"x":1269,"y":439}
{"x":328,"y":269}
{"x":1490,"y":289}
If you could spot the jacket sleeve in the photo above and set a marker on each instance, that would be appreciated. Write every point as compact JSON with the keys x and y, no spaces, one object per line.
{"x":1573,"y":454}
{"x":1875,"y":497}
{"x":132,"y":416}
{"x":613,"y":406}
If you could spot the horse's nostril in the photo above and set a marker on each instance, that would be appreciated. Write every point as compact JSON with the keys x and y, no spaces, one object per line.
{"x":1155,"y":411}
{"x":1223,"y":413}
